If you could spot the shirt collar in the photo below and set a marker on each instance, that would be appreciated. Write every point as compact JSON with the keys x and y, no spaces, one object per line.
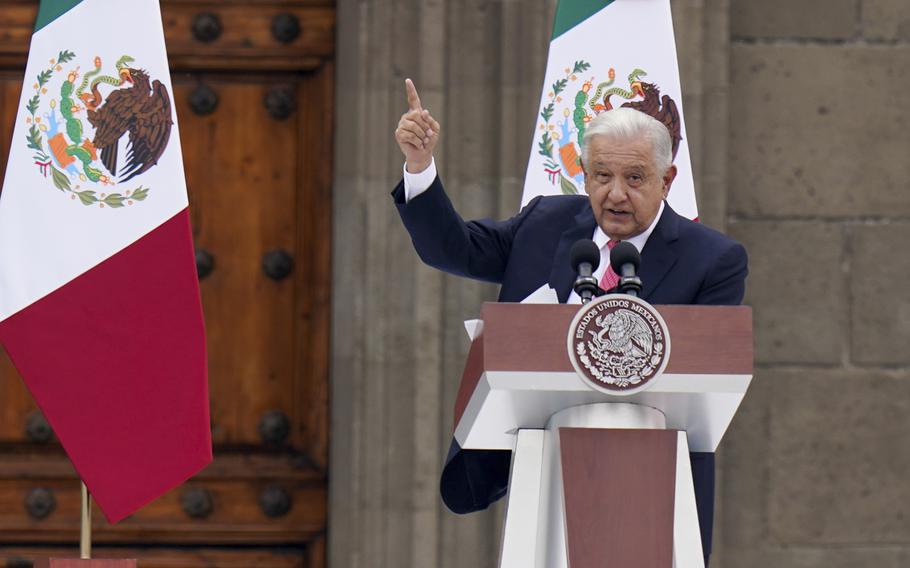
{"x":639,"y":240}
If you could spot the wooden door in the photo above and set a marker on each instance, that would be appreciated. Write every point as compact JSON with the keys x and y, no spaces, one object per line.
{"x":253,"y":86}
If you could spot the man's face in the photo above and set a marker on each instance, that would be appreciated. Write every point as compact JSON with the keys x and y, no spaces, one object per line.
{"x":623,"y":185}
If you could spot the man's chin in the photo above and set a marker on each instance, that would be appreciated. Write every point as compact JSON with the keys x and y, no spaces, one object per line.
{"x":617,"y":231}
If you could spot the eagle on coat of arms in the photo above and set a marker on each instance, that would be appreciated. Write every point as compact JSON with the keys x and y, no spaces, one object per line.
{"x":143,"y":112}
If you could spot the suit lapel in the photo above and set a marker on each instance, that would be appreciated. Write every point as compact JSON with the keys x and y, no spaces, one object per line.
{"x":561,"y":274}
{"x":658,"y":255}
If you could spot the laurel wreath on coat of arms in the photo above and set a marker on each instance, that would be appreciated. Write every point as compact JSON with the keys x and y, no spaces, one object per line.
{"x":75,"y":141}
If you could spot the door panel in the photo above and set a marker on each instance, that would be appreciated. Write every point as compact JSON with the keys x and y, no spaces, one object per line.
{"x":15,"y":402}
{"x":243,"y":200}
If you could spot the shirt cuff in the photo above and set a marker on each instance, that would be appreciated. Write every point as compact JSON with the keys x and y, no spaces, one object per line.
{"x":415,"y":184}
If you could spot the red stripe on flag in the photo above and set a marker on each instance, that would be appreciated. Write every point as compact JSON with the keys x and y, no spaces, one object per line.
{"x":116,"y":361}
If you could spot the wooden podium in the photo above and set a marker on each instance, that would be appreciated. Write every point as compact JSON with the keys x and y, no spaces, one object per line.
{"x":600,"y":479}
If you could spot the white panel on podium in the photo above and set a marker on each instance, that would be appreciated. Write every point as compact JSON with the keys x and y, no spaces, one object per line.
{"x":703,"y":405}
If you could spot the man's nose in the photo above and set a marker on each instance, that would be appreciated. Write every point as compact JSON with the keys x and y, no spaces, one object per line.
{"x":616,"y":192}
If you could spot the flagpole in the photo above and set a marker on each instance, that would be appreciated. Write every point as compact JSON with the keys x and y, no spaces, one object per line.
{"x":85,"y":533}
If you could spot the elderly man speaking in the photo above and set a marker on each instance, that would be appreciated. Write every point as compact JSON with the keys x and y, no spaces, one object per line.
{"x":627,"y":162}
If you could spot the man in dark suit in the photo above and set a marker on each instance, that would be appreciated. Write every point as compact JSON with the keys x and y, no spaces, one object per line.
{"x":627,"y":161}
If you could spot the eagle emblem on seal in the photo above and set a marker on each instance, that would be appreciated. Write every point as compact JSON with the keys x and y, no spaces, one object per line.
{"x":622,"y":332}
{"x":618,"y":343}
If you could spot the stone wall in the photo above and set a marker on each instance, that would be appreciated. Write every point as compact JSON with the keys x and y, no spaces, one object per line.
{"x":816,"y":467}
{"x":796,"y":113}
{"x":398,"y":339}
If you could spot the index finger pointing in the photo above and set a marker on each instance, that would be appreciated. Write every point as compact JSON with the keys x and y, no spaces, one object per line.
{"x":413,"y":99}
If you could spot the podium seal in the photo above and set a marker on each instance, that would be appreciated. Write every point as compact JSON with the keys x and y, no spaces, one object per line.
{"x":618,"y":344}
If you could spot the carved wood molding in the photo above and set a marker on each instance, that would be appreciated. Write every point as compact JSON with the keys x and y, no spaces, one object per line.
{"x":286,"y":36}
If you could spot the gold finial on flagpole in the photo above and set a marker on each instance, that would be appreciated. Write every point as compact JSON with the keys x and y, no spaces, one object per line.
{"x":85,"y":533}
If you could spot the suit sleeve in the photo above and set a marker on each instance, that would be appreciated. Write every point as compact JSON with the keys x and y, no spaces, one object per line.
{"x":476,"y":249}
{"x":725,"y":284}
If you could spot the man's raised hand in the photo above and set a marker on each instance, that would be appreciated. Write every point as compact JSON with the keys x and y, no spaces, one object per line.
{"x":417,"y":132}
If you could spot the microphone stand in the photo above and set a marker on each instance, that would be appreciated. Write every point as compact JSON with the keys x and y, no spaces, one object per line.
{"x":629,"y":283}
{"x":586,"y":285}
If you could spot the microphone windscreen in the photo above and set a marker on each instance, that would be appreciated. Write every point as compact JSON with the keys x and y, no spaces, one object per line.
{"x":624,"y":253}
{"x":584,"y":250}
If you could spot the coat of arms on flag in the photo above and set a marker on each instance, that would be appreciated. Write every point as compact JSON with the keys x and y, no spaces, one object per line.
{"x":597,"y":62}
{"x":77,"y":120}
{"x":560,"y":138}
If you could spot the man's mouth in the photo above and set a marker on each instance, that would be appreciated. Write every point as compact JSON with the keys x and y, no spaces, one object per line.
{"x":618,"y":212}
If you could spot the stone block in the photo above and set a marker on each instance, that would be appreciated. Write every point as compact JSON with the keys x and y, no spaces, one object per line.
{"x":819,"y":130}
{"x":796,"y":19}
{"x":702,"y":43}
{"x":880,"y":293}
{"x":886,"y":20}
{"x":743,"y":536}
{"x":839,"y":459}
{"x":470,"y":540}
{"x":767,"y":556}
{"x":742,"y":459}
{"x":796,"y":288}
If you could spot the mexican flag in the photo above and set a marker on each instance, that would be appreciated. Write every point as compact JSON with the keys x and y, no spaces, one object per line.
{"x":99,"y":299}
{"x":606,"y":54}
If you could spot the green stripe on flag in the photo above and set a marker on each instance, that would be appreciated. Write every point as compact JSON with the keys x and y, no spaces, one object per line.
{"x":570,"y":13}
{"x":50,"y":10}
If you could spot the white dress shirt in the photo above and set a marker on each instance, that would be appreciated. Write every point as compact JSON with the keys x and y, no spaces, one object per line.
{"x":415,"y":184}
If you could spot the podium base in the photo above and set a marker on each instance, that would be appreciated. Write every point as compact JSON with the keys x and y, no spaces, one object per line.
{"x":80,"y":563}
{"x":603,"y":481}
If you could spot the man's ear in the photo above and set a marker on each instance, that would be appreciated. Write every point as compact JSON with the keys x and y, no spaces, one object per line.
{"x":668,"y":179}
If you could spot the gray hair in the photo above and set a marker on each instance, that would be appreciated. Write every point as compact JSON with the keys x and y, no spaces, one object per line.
{"x":628,"y":124}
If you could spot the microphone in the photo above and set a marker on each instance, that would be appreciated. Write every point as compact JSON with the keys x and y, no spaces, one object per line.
{"x":625,"y":260}
{"x":585,"y":258}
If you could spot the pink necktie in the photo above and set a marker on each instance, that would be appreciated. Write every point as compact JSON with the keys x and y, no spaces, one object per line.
{"x":610,"y":279}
